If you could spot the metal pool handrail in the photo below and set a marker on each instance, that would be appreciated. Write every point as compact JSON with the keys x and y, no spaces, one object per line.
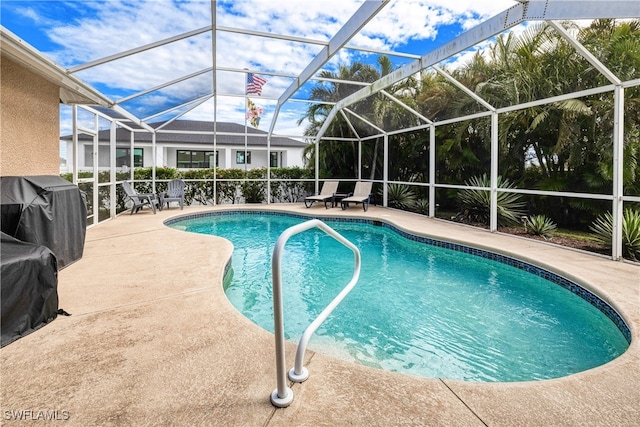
{"x":282,"y":396}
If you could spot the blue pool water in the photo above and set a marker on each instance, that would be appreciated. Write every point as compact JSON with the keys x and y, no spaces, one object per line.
{"x":417,"y":308}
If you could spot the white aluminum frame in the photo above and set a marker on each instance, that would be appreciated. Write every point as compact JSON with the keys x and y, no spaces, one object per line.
{"x":550,"y":11}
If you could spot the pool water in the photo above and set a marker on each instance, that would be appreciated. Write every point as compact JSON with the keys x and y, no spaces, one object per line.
{"x":417,"y":308}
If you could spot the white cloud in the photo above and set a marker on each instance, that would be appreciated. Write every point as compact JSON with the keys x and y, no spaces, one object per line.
{"x":100,"y":29}
{"x":464,"y":57}
{"x":115,"y":26}
{"x":30,"y":14}
{"x":406,"y":20}
{"x":318,"y":20}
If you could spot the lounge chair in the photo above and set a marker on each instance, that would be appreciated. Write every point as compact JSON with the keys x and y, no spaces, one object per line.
{"x":329,"y":189}
{"x":174,"y":193}
{"x":361,"y":194}
{"x":140,"y":200}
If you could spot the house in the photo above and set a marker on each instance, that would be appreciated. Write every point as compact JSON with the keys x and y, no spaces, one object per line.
{"x":189,"y":144}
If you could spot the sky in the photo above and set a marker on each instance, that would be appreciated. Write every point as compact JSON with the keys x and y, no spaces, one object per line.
{"x":75,"y":32}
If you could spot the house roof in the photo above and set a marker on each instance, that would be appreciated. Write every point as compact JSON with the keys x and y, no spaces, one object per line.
{"x":197,"y":132}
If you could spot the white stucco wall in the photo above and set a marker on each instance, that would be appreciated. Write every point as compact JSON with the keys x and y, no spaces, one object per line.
{"x":167,"y":156}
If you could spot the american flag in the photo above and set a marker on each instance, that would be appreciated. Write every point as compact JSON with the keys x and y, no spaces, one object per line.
{"x":254,"y":84}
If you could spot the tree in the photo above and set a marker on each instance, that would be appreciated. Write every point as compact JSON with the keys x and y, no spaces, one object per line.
{"x":339,"y":158}
{"x":562,"y":146}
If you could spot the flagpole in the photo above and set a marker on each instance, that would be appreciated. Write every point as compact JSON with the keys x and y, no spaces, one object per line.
{"x":246,"y":106}
{"x":215,"y":103}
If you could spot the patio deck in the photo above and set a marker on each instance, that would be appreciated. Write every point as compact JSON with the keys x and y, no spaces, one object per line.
{"x":153,"y":341}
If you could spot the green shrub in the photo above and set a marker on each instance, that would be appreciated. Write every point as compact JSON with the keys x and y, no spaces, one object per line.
{"x":231,"y":186}
{"x":422,"y":206}
{"x":603,"y":229}
{"x":539,"y":225}
{"x":476,"y":204}
{"x":292,"y":189}
{"x":254,"y":191}
{"x":400,"y":196}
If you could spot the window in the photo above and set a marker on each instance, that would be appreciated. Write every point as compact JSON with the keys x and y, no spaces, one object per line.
{"x":123,"y":156}
{"x":193,"y":159}
{"x":88,"y":156}
{"x":274,"y":160}
{"x":240,"y":157}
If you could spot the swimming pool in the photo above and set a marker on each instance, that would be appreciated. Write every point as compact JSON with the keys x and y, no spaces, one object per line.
{"x":421,"y":307}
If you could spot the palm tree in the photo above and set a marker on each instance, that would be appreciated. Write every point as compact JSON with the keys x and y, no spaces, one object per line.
{"x":338,"y":158}
{"x":568,"y":142}
{"x":566,"y":145}
{"x":618,"y":47}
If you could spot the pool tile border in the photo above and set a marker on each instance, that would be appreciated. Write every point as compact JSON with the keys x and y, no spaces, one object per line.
{"x":571,"y":286}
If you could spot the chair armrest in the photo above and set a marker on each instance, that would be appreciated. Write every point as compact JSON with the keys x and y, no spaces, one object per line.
{"x":147,"y":196}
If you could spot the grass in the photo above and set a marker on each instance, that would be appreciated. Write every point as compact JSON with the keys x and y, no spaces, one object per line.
{"x":578,"y":239}
{"x":582,"y":235}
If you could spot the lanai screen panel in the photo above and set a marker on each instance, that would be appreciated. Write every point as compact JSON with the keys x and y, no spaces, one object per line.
{"x":157,"y":49}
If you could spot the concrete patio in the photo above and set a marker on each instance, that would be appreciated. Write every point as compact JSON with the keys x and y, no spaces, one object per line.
{"x":152,"y":340}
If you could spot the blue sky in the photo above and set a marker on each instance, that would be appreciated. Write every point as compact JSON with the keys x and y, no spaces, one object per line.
{"x":77,"y":31}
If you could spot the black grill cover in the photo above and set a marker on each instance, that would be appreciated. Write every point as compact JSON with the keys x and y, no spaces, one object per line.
{"x":29,"y":290}
{"x":46,"y":210}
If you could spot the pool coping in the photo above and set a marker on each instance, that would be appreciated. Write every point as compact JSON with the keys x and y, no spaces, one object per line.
{"x":153,"y":341}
